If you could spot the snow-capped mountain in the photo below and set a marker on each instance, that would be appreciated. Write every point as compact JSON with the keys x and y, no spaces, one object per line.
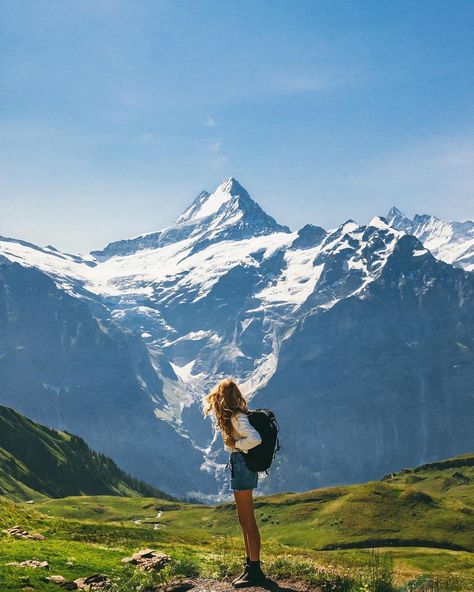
{"x":226,"y":213}
{"x":226,"y":290}
{"x":381,"y":379}
{"x":452,"y":242}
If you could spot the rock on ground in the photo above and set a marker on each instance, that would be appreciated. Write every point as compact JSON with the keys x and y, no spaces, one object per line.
{"x":94,"y":582}
{"x":87,"y":584}
{"x":148,"y":560}
{"x":30,"y":563}
{"x":56,"y":579}
{"x":20,"y":533}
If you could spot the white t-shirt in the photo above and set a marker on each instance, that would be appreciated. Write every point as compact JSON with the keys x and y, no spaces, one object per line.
{"x":246,"y":436}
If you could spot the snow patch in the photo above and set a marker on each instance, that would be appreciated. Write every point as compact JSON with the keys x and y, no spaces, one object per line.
{"x":183,"y":372}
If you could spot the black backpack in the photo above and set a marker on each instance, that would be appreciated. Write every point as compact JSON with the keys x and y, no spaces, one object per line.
{"x":259,"y":458}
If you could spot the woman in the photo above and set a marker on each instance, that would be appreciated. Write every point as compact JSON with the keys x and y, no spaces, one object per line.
{"x":230,"y":409}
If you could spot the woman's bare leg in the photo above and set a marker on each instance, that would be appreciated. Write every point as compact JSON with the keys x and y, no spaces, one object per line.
{"x":245,"y":512}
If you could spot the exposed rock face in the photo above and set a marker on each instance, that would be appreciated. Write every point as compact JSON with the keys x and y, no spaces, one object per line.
{"x":56,"y":579}
{"x":66,"y":369}
{"x":88,"y":584}
{"x":377,"y":382}
{"x":452,"y":242}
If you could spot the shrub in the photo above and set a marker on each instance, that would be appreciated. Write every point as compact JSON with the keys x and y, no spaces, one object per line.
{"x":426,"y":583}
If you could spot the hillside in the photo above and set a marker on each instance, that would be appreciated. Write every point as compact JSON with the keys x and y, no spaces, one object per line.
{"x":429,"y":506}
{"x":38,"y":462}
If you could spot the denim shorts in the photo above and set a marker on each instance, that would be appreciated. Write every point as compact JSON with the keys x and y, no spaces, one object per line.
{"x":241,"y":476}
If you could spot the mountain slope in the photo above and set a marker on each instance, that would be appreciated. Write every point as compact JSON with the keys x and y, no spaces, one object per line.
{"x":452,"y":242}
{"x":383,"y":379}
{"x":36,"y":461}
{"x":66,"y":369}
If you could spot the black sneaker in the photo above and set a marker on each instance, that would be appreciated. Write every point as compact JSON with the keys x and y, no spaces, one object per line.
{"x":242,"y":574}
{"x":254,"y":576}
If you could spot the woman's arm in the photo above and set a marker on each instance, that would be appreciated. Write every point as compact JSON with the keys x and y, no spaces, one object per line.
{"x":250,"y":436}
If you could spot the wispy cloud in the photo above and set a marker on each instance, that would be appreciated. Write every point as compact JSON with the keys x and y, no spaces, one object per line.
{"x":210,"y":121}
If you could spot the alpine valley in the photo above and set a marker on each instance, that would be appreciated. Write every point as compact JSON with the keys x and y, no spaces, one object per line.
{"x":360,"y":338}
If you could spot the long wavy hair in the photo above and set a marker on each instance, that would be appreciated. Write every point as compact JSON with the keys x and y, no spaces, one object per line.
{"x":223,"y":401}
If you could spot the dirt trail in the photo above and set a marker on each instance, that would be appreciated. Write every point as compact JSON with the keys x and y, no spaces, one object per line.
{"x":208,"y":585}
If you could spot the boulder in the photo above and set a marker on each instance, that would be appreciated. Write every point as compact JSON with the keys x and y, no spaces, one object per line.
{"x":93,"y":582}
{"x":148,"y":560}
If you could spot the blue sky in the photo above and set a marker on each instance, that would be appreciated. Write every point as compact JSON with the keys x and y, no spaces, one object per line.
{"x":115,"y":114}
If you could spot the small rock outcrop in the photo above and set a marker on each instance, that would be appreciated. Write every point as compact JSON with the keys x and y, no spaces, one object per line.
{"x":20,"y":533}
{"x":88,"y":584}
{"x":30,"y":563}
{"x":148,"y":560}
{"x":93,"y":582}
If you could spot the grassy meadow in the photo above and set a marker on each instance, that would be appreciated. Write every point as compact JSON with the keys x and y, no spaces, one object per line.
{"x":413,"y":530}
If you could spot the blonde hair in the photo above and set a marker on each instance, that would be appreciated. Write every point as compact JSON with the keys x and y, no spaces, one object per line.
{"x":223,"y":401}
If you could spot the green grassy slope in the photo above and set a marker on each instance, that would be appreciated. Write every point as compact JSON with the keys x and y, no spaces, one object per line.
{"x":38,"y":462}
{"x":431,"y":506}
{"x":434,"y":510}
{"x":452,"y":478}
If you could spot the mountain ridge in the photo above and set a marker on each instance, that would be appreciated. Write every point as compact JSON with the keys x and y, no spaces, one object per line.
{"x":36,"y":461}
{"x":452,"y":242}
{"x":229,"y":212}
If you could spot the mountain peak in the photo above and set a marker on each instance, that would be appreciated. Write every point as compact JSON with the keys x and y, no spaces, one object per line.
{"x":208,"y":204}
{"x":395,"y":215}
{"x":231,"y":185}
{"x":228,"y":213}
{"x":229,"y":205}
{"x":394,"y":211}
{"x":379,"y":222}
